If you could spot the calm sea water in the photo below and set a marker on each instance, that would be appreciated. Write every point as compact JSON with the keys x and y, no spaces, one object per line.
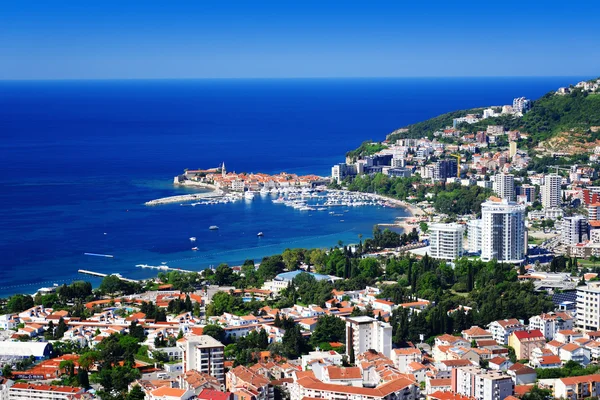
{"x":79,"y":158}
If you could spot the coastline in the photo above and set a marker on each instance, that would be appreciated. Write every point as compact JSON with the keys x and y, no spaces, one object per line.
{"x":405,"y":223}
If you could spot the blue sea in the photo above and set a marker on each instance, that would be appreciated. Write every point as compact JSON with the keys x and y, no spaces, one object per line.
{"x":79,"y":158}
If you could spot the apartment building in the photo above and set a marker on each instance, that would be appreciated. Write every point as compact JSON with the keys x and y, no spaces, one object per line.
{"x":203,"y":353}
{"x":549,"y":324}
{"x":503,"y":234}
{"x":28,"y":391}
{"x":446,"y":241}
{"x":504,"y":186}
{"x":365,"y":333}
{"x":588,"y":307}
{"x":550,"y":191}
{"x":481,"y":384}
{"x":574,"y":230}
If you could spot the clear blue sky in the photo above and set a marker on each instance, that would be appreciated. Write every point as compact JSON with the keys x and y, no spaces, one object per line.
{"x":239,"y":39}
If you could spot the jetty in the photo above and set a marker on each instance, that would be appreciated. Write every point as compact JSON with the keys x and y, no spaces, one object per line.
{"x":102,"y":275}
{"x":185,"y":198}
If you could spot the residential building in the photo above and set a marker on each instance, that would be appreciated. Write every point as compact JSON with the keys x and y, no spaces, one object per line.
{"x":403,"y":357}
{"x":503,"y":328}
{"x":169,"y":393}
{"x":481,"y":384}
{"x":525,"y":341}
{"x":5,"y":385}
{"x":550,"y":191}
{"x":588,"y":307}
{"x":203,"y":353}
{"x":574,"y":230}
{"x":503,"y":234}
{"x":27,"y":391}
{"x":504,"y":186}
{"x":474,"y":235}
{"x":521,"y":105}
{"x":365,"y":333}
{"x":549,"y":324}
{"x":476,"y":333}
{"x":446,"y":241}
{"x":243,"y":381}
{"x":577,"y":387}
{"x":522,"y":374}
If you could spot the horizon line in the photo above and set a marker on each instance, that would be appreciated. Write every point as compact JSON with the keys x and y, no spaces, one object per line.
{"x":290,"y":78}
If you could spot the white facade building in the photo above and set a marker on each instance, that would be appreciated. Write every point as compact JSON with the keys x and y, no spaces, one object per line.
{"x":549,"y":324}
{"x":550,"y":191}
{"x":574,"y":230}
{"x":204,"y":354}
{"x":446,"y":241}
{"x":366,"y":333}
{"x":588,"y":306}
{"x":474,"y":235}
{"x":503,"y":234}
{"x":504,"y":186}
{"x":481,"y":384}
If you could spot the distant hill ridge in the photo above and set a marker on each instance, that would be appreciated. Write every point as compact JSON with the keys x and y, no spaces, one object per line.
{"x":576,"y":110}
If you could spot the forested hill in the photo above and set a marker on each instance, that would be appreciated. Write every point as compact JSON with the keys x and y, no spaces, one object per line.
{"x":550,"y":115}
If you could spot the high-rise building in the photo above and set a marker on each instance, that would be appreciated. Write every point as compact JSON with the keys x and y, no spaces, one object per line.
{"x":474,"y":235}
{"x":503,"y":233}
{"x":550,"y":191}
{"x":588,"y":307}
{"x":444,"y":169}
{"x":574,"y":230}
{"x":204,"y":354}
{"x":504,"y":186}
{"x":365,"y":333}
{"x":446,"y":241}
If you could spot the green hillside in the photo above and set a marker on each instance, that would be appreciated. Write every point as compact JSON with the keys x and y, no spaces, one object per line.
{"x":553,"y":114}
{"x":426,"y":128}
{"x":550,"y":115}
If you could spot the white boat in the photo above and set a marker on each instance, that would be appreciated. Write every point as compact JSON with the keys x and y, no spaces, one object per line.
{"x":260,"y":234}
{"x":193,"y":239}
{"x":249,"y":195}
{"x":194,"y":249}
{"x":213,"y":228}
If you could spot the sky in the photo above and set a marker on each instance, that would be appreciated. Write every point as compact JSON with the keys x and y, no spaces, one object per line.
{"x":129,"y":39}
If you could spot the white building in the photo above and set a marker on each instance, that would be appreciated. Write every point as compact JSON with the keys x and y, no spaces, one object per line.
{"x":28,"y":391}
{"x":5,"y":385}
{"x":521,"y":105}
{"x":481,"y":384}
{"x":549,"y":324}
{"x":204,"y":354}
{"x":588,"y":306}
{"x":474,"y":235}
{"x":503,"y":233}
{"x":366,"y":333}
{"x":574,"y":230}
{"x":446,"y":241}
{"x":504,"y":186}
{"x":403,"y":357}
{"x":550,"y":191}
{"x":503,"y":328}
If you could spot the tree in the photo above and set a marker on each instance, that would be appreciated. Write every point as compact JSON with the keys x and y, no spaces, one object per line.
{"x":329,"y":328}
{"x":19,"y":302}
{"x":136,"y":393}
{"x":49,"y":334}
{"x":83,"y":378}
{"x":223,"y":275}
{"x":214,"y":331}
{"x":61,"y":328}
{"x":7,"y":371}
{"x":68,"y":366}
{"x":137,"y":331}
{"x":294,"y":344}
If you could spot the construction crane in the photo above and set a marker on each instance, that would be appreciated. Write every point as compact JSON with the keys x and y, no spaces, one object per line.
{"x":457,"y":156}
